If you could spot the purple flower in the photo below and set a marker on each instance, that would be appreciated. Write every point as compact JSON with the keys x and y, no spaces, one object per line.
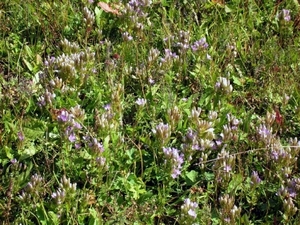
{"x":255,"y":178}
{"x":189,"y":208}
{"x":169,"y":55}
{"x":175,"y":173}
{"x":13,"y":161}
{"x":227,"y":168}
{"x":72,"y":137}
{"x":200,"y":44}
{"x":64,"y":116}
{"x":286,"y":15}
{"x":100,"y":161}
{"x":77,"y":125}
{"x":191,"y":135}
{"x":263,"y":131}
{"x":77,"y":146}
{"x":141,"y":101}
{"x":96,"y":146}
{"x":192,"y":213}
{"x":127,"y":37}
{"x":107,"y":107}
{"x":175,"y":160}
{"x":41,"y":101}
{"x":21,"y":136}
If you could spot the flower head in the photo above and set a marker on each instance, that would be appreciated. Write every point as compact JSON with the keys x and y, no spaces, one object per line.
{"x":141,"y":101}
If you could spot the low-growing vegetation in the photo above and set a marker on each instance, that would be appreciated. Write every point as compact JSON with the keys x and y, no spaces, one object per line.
{"x":149,"y":112}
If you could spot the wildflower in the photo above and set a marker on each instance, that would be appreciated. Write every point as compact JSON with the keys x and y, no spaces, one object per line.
{"x":63,"y":116}
{"x":107,"y":107}
{"x":264,"y":132}
{"x":227,"y":168}
{"x":189,"y":208}
{"x":163,"y":132}
{"x":255,"y":178}
{"x":153,"y":54}
{"x":41,"y":101}
{"x":127,"y":37}
{"x":208,"y":57}
{"x":20,"y":136}
{"x":200,"y":44}
{"x":72,"y":137}
{"x":77,"y":146}
{"x":100,"y":161}
{"x":285,"y":13}
{"x":151,"y":81}
{"x":141,"y":101}
{"x":169,"y":55}
{"x":175,"y":159}
{"x":59,"y":196}
{"x":13,"y":161}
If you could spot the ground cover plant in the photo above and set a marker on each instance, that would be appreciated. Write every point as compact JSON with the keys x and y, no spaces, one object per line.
{"x":149,"y":112}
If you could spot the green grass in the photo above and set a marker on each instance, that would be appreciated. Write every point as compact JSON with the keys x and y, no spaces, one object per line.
{"x":167,"y":112}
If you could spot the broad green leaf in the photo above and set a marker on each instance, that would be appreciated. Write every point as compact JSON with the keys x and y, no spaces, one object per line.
{"x":235,"y":183}
{"x":192,"y":175}
{"x":98,"y":13}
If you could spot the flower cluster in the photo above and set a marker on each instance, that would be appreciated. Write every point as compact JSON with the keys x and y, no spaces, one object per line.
{"x":199,"y":45}
{"x":33,"y":189}
{"x":89,"y":17}
{"x":224,"y":166}
{"x":105,"y":120}
{"x":183,"y":42}
{"x":68,"y":122}
{"x":174,"y":159}
{"x":223,"y":85}
{"x":255,"y":179}
{"x":285,"y":15}
{"x":288,"y":193}
{"x":173,"y":116}
{"x":228,"y":212}
{"x":169,"y":57}
{"x":189,"y":209}
{"x":162,"y":132}
{"x":141,"y":102}
{"x":230,"y":130}
{"x":66,"y":189}
{"x":68,"y":72}
{"x":153,"y":55}
{"x":136,"y":11}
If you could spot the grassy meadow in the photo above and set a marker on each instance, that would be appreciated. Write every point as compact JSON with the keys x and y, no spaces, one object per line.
{"x":149,"y":112}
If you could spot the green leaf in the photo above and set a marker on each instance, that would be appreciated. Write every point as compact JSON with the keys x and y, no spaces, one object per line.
{"x":237,"y":81}
{"x":235,"y":183}
{"x":192,"y":175}
{"x":53,"y":218}
{"x":30,"y":150}
{"x":94,"y":217}
{"x":98,"y":13}
{"x":28,"y":64}
{"x":227,"y":9}
{"x":106,"y":142}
